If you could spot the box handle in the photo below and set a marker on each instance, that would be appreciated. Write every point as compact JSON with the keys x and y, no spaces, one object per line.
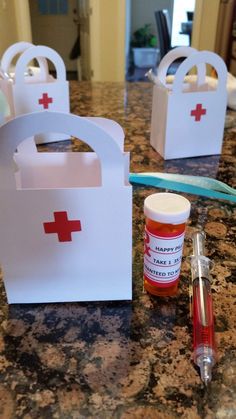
{"x":36,"y":52}
{"x":17,"y":48}
{"x":18,"y":129}
{"x":173,"y":55}
{"x":203,"y":58}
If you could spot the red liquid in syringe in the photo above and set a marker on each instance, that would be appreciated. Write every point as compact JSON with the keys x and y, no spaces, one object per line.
{"x":203,"y":321}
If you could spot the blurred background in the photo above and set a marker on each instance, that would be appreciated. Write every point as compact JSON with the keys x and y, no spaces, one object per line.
{"x":114,"y":40}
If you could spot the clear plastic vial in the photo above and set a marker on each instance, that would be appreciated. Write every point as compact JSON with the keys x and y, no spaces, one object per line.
{"x":166,"y":215}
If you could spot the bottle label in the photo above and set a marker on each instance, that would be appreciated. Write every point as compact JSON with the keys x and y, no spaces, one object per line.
{"x":162,"y":257}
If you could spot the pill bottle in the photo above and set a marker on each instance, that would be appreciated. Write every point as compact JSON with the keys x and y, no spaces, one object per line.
{"x":166,"y":215}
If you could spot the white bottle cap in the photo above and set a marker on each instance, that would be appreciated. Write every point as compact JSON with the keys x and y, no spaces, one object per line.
{"x":167,"y":208}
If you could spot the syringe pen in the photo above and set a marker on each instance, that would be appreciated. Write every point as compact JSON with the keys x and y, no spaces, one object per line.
{"x":202,"y":309}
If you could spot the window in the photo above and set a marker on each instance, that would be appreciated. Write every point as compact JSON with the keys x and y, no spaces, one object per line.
{"x":53,"y":7}
{"x":180,"y":15}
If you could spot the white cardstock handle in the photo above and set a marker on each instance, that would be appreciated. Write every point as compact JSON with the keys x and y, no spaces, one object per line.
{"x":15,"y":131}
{"x":196,"y":59}
{"x":11,"y":52}
{"x":173,"y":55}
{"x":114,"y":129}
{"x":36,"y":52}
{"x":20,"y":47}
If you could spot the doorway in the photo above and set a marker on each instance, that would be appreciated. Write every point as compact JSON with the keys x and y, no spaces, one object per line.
{"x":54,"y":24}
{"x":142,"y":13}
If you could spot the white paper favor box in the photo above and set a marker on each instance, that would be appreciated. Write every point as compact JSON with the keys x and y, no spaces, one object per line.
{"x":188,"y":118}
{"x":7,"y":71}
{"x":65,"y":218}
{"x":40,"y":91}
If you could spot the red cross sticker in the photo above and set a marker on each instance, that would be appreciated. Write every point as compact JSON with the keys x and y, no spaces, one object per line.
{"x":147,"y":250}
{"x":45,"y":100}
{"x":146,"y":242}
{"x":62,"y":226}
{"x":198,"y":112}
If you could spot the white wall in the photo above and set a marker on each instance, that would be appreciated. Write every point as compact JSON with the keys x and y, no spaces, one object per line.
{"x":180,"y":15}
{"x":14,"y":23}
{"x":8,"y":25}
{"x":107,"y":39}
{"x":22,"y":11}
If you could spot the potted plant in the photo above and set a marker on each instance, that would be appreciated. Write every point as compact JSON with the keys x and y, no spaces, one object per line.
{"x":144,"y":49}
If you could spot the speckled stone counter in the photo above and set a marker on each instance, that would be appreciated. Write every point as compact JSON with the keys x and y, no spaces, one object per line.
{"x":128,"y":359}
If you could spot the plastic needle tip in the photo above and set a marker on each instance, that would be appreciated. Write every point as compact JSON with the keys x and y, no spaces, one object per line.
{"x":206,"y":381}
{"x":205,"y":369}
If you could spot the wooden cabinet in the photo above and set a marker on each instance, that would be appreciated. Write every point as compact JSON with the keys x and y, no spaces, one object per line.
{"x":225,"y":43}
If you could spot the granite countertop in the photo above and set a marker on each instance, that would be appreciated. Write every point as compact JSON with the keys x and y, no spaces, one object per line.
{"x":128,"y":359}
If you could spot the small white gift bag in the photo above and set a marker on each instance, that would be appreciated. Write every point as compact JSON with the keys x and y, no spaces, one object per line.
{"x":65,"y":218}
{"x":4,"y":108}
{"x":7,"y":71}
{"x":188,"y":118}
{"x":41,"y":92}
